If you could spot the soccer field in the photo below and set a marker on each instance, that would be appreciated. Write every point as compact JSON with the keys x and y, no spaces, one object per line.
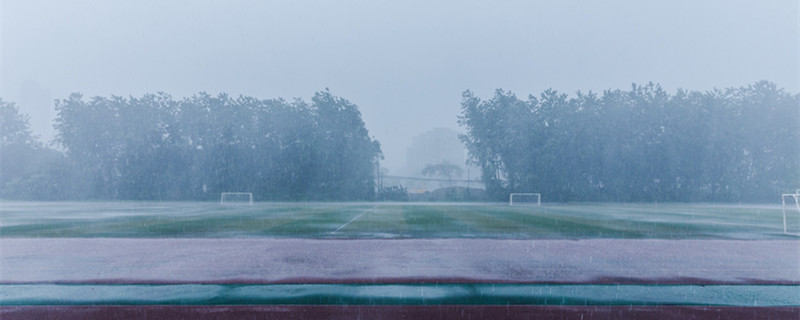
{"x":197,"y":259}
{"x":394,"y":220}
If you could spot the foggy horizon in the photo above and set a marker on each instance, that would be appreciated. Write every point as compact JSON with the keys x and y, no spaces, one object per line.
{"x":404,"y":64}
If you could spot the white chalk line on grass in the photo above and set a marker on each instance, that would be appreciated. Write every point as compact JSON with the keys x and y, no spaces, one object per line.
{"x":354,"y":219}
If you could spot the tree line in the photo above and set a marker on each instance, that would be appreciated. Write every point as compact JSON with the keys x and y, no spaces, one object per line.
{"x":157,"y":148}
{"x":643,"y":144}
{"x":732,"y":145}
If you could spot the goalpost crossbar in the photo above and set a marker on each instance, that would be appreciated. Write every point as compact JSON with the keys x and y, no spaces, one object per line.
{"x":537,"y":195}
{"x":240,"y":195}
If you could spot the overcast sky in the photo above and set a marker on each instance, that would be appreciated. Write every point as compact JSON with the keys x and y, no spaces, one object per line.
{"x":404,"y":63}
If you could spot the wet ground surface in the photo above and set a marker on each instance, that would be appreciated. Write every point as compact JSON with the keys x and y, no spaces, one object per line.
{"x":401,"y":294}
{"x":263,"y":261}
{"x":360,"y":260}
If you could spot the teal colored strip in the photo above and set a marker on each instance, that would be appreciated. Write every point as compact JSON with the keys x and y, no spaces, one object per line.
{"x":401,"y":294}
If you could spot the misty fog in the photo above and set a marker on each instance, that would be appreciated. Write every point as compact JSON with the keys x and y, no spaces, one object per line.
{"x":405,"y":64}
{"x":561,"y":159}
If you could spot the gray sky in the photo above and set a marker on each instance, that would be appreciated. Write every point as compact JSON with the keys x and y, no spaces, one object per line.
{"x":405,"y":63}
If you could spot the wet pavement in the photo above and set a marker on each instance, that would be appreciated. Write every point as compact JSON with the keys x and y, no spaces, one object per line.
{"x":275,"y":261}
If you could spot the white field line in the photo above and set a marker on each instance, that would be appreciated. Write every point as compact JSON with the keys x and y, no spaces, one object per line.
{"x":354,"y":219}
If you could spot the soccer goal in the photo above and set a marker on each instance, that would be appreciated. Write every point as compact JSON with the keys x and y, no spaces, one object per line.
{"x":796,"y":198}
{"x":526,"y":199}
{"x":236,"y":198}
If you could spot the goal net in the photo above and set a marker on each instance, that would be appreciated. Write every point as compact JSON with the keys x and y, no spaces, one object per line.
{"x":236,"y":198}
{"x":795,"y":197}
{"x":525,"y":199}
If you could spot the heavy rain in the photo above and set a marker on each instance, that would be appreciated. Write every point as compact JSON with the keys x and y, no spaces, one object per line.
{"x":362,"y":159}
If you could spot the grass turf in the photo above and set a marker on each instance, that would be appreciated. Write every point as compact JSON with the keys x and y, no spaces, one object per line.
{"x":392,"y":220}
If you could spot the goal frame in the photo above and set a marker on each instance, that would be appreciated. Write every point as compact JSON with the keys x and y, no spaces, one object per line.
{"x":222,"y":197}
{"x":538,"y":198}
{"x":796,"y":197}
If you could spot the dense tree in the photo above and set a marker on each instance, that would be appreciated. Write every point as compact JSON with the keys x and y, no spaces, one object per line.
{"x":17,"y":145}
{"x":643,"y":144}
{"x":341,"y":138}
{"x":157,"y":148}
{"x":14,"y":126}
{"x":737,"y":144}
{"x":28,"y":169}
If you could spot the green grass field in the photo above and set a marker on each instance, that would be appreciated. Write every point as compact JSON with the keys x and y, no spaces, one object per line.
{"x":393,"y":220}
